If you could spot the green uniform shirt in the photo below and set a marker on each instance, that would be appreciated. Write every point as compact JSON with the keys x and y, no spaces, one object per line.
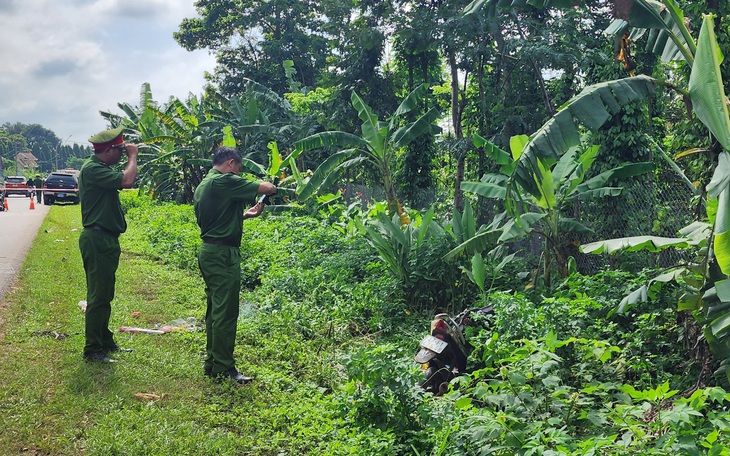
{"x":99,"y":187}
{"x":220,"y":201}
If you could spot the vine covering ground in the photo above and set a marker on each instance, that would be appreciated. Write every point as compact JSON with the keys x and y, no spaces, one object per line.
{"x":329,"y":337}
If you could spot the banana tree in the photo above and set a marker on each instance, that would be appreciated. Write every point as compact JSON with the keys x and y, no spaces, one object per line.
{"x":183,"y":146}
{"x":540,"y":205}
{"x":378,"y":144}
{"x":706,"y":279}
{"x":399,"y":246}
{"x":179,"y":137}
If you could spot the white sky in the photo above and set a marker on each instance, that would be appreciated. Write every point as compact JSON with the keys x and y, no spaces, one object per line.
{"x":63,"y":61}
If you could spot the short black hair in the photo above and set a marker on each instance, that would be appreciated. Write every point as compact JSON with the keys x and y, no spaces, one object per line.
{"x":223,"y":154}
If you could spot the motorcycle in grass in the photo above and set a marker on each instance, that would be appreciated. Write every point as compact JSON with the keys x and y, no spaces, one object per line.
{"x":443,"y":353}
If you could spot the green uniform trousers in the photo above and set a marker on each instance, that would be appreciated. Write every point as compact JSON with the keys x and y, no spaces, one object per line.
{"x":100,"y":253}
{"x":221,"y":269}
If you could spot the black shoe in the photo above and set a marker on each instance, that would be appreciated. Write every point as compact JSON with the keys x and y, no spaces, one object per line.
{"x":99,"y":357}
{"x":208,"y":371}
{"x":117,"y":349}
{"x":234,"y":375}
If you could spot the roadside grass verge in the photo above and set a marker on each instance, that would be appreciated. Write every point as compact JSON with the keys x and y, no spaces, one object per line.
{"x":54,"y":403}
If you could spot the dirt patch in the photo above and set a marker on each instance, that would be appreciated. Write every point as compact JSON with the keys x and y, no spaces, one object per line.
{"x":52,"y":334}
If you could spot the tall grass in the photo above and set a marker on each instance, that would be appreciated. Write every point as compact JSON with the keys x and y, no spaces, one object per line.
{"x":54,"y":403}
{"x":329,"y":342}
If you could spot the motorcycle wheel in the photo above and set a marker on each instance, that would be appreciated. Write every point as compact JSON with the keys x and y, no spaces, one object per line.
{"x":436,"y":375}
{"x":443,"y":388}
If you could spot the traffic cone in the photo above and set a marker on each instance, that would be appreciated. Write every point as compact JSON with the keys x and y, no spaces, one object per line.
{"x":5,"y":204}
{"x":32,"y":206}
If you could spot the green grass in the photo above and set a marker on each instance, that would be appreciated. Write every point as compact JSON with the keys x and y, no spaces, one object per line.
{"x":54,"y":403}
{"x":325,"y":336}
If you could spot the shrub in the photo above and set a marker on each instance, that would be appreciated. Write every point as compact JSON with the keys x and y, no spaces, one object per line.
{"x":382,"y":398}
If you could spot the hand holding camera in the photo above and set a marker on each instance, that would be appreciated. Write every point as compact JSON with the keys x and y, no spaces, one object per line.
{"x":257,"y":208}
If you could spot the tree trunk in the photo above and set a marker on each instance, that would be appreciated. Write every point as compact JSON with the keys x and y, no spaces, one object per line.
{"x":538,"y":75}
{"x":458,"y":132}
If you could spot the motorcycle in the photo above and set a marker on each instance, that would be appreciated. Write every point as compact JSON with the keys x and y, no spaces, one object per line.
{"x":443,"y":353}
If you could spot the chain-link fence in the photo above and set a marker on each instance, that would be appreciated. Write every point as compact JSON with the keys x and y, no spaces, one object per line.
{"x":658,"y":205}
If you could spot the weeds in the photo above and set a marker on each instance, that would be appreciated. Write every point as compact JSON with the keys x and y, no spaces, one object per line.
{"x":54,"y":403}
{"x":329,"y":339}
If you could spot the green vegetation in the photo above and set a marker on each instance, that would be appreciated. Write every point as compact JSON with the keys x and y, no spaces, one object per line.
{"x":379,"y":224}
{"x":330,"y":339}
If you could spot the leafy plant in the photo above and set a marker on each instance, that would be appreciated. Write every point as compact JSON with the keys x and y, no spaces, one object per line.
{"x":540,"y":207}
{"x":378,"y":144}
{"x":705,"y":277}
{"x":525,"y":401}
{"x":404,"y":248}
{"x":382,"y":393}
{"x":705,"y":90}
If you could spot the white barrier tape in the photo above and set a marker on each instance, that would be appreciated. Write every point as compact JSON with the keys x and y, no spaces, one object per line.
{"x":25,"y":189}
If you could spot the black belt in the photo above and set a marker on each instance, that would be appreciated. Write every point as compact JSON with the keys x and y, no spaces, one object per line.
{"x":102,"y":229}
{"x":222,"y":241}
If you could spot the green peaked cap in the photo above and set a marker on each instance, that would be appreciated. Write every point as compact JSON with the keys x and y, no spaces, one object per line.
{"x":107,"y":136}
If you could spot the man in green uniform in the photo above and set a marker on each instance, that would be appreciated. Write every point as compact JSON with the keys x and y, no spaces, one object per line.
{"x":219,"y":203}
{"x":103,"y":221}
{"x":38,"y":183}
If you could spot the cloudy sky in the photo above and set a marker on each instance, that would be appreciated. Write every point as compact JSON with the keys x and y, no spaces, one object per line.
{"x":63,"y":61}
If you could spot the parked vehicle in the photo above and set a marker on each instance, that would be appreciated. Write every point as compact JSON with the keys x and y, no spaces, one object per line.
{"x":443,"y":353}
{"x":61,"y":187}
{"x":17,"y":185}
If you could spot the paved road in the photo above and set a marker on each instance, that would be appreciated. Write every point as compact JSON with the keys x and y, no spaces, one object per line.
{"x":18,"y":227}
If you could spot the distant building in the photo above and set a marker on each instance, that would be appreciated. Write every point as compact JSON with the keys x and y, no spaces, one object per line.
{"x":25,"y":161}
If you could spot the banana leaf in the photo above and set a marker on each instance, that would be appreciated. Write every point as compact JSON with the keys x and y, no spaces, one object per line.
{"x":721,"y":244}
{"x":265,"y":94}
{"x":519,"y":227}
{"x":274,"y":159}
{"x":485,"y":189}
{"x":478,"y":270}
{"x":570,"y":172}
{"x":641,"y":13}
{"x":620,"y":172}
{"x":697,"y":233}
{"x":468,"y":221}
{"x":409,"y":103}
{"x":721,"y":176}
{"x":407,"y":133}
{"x":371,"y":126}
{"x":710,"y":104}
{"x":706,"y":85}
{"x":325,"y":172}
{"x":570,"y":225}
{"x":330,"y":138}
{"x":252,"y":166}
{"x":594,"y":194}
{"x":634,"y":243}
{"x":500,"y":157}
{"x":648,"y":290}
{"x":591,"y":108}
{"x":493,"y":5}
